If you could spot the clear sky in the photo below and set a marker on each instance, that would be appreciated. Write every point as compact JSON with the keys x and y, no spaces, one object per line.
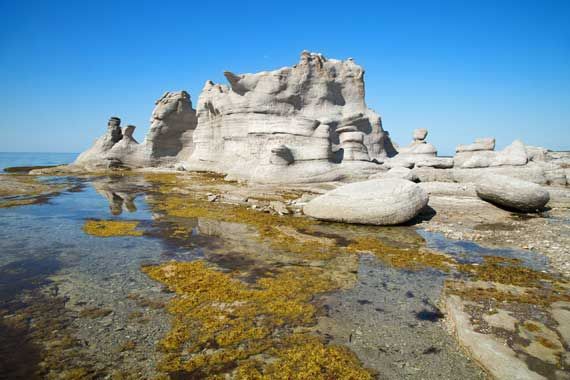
{"x":462,"y":69}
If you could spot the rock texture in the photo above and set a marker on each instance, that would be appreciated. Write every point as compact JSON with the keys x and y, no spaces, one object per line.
{"x":480,"y":144}
{"x":475,"y":156}
{"x":302,"y":124}
{"x":419,"y":148}
{"x":169,"y":139}
{"x":378,"y":201}
{"x":397,"y":172}
{"x":289,"y":124}
{"x":512,"y":193}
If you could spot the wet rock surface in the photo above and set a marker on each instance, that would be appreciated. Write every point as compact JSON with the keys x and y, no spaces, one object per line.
{"x":391,"y":320}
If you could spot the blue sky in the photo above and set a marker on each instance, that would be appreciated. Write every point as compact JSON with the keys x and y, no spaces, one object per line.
{"x":462,"y":69}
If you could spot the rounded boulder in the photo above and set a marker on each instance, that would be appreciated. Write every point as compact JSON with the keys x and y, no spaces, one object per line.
{"x":378,"y":201}
{"x":512,"y":193}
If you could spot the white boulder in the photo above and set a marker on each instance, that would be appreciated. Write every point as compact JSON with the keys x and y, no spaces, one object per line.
{"x":512,"y":193}
{"x":378,"y":201}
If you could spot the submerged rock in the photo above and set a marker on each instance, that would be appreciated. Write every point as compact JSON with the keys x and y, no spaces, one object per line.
{"x":377,"y":201}
{"x":512,"y":193}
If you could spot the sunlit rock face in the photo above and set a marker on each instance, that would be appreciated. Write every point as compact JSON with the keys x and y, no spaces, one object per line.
{"x":172,"y":126}
{"x":169,"y":139}
{"x":292,"y":124}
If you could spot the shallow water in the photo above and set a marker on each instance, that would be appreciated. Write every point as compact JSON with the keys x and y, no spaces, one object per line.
{"x":85,"y":309}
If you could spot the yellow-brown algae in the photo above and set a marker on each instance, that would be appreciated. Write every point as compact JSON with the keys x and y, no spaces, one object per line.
{"x":222,"y":324}
{"x":109,"y":228}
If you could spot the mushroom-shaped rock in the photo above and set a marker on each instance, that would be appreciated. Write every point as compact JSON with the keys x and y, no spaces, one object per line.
{"x":512,"y":193}
{"x":378,"y":201}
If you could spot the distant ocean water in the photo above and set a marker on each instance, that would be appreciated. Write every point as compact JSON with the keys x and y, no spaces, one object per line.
{"x":10,"y":159}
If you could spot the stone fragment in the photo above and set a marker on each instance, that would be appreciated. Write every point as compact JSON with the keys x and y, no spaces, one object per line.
{"x":512,"y":193}
{"x":378,"y":201}
{"x":279,"y":207}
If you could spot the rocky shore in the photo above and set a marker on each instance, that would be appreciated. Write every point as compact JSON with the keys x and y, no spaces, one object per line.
{"x":277,"y":161}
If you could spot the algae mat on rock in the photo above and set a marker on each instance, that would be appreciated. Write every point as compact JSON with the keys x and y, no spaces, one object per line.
{"x":108,"y":228}
{"x":223,"y":325}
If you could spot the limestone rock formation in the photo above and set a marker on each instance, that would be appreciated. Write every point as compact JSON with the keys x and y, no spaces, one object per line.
{"x":419,"y":148}
{"x":168,"y":140}
{"x":173,"y":122}
{"x":377,"y":201}
{"x":481,"y":154}
{"x":512,"y":193}
{"x":99,"y":155}
{"x":480,"y":144}
{"x":290,"y":124}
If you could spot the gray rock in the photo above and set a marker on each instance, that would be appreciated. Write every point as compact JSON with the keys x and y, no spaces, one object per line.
{"x":397,"y":172}
{"x":532,"y":172}
{"x":512,"y":193}
{"x":420,"y":134}
{"x":294,"y":124}
{"x":536,"y":153}
{"x":449,"y":188}
{"x":435,"y":162}
{"x":419,"y":148}
{"x":173,"y":122}
{"x":169,"y":139}
{"x":378,"y":201}
{"x":484,"y":143}
{"x":279,"y":207}
{"x":514,"y":154}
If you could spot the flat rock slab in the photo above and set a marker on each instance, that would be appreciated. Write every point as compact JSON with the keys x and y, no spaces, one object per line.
{"x":377,"y":201}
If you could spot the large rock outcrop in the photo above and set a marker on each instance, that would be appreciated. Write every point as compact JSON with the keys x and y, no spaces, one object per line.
{"x":292,"y":124}
{"x":377,"y":201}
{"x":168,"y":141}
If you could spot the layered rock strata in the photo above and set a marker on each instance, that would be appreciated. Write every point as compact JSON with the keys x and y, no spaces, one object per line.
{"x":292,"y":124}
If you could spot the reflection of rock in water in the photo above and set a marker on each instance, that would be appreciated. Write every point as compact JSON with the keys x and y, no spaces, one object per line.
{"x":121,"y":192}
